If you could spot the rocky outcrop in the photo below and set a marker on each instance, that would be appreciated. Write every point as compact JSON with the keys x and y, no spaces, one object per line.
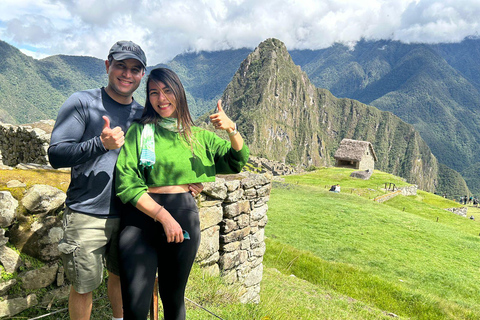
{"x":10,"y":259}
{"x":12,"y":306}
{"x":39,"y":227}
{"x":43,"y":199}
{"x":364,"y":174}
{"x":8,"y":206}
{"x":39,"y":278}
{"x":409,"y":190}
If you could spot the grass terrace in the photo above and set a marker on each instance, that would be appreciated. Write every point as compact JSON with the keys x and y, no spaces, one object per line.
{"x":343,"y":256}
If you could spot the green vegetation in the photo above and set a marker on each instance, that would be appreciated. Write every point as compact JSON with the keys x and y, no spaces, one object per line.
{"x":407,"y":256}
{"x":343,"y":256}
{"x":56,"y":178}
{"x":282,"y":297}
{"x":377,"y":185}
{"x":411,"y":81}
{"x":292,"y":122}
{"x":390,"y":75}
{"x":435,"y":88}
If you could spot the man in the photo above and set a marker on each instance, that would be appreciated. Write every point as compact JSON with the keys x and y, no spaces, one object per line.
{"x":87,"y":137}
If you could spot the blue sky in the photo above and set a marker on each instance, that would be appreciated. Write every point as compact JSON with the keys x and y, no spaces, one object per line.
{"x":165,"y":29}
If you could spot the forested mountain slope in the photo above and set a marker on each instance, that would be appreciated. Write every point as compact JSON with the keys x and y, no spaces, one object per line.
{"x":284,"y":117}
{"x":434,"y":88}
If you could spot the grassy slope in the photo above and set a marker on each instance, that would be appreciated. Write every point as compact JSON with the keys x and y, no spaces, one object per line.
{"x":352,"y":258}
{"x":406,"y":256}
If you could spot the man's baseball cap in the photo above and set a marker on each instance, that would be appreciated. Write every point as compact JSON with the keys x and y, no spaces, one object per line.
{"x":122,"y":50}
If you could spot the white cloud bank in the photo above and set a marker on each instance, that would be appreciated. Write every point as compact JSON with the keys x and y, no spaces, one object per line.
{"x":167,"y":28}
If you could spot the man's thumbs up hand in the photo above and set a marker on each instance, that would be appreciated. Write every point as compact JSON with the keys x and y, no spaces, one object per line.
{"x":107,"y":122}
{"x":111,"y":138}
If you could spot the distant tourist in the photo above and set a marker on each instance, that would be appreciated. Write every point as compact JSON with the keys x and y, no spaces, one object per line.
{"x":335,"y":188}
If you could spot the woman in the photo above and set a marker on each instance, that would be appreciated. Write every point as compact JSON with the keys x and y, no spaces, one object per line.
{"x":162,"y":154}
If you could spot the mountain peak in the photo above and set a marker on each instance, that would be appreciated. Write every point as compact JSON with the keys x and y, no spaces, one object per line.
{"x":284,"y":117}
{"x":272,"y":45}
{"x":270,"y":53}
{"x":269,"y":97}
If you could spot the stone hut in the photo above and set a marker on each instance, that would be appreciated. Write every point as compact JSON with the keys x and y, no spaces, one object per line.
{"x":355,"y":154}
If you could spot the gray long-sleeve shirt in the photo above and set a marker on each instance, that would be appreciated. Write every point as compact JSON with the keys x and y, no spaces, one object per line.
{"x":76,"y":143}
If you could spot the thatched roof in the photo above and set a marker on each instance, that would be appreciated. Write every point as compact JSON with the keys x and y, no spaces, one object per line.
{"x":353,"y":150}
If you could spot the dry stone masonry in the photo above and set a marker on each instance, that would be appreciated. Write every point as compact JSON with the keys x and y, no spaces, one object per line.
{"x":25,"y":143}
{"x":233,"y":215}
{"x":461,"y":211}
{"x":404,"y":191}
{"x":275,"y":168}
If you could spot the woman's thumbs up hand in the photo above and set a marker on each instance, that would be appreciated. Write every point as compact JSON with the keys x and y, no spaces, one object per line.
{"x":220,"y":120}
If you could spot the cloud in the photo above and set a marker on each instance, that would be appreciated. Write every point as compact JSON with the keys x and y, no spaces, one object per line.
{"x":439,"y":21}
{"x":100,"y":13}
{"x":165,"y":29}
{"x":33,"y":29}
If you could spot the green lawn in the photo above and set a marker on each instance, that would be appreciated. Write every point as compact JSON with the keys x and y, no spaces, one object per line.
{"x":343,"y":256}
{"x":326,"y":177}
{"x":406,"y":256}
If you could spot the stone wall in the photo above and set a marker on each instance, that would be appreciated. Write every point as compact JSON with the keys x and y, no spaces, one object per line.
{"x":387,"y":196}
{"x":25,"y":143}
{"x":368,"y":161}
{"x":409,"y":190}
{"x":273,"y":167}
{"x":233,"y":215}
{"x":461,"y":211}
{"x":404,"y":191}
{"x":29,"y":143}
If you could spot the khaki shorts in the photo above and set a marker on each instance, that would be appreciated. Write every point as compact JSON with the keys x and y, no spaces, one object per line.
{"x":88,"y":242}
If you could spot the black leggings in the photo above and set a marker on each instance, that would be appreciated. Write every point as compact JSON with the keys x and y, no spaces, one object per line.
{"x":144,"y":248}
